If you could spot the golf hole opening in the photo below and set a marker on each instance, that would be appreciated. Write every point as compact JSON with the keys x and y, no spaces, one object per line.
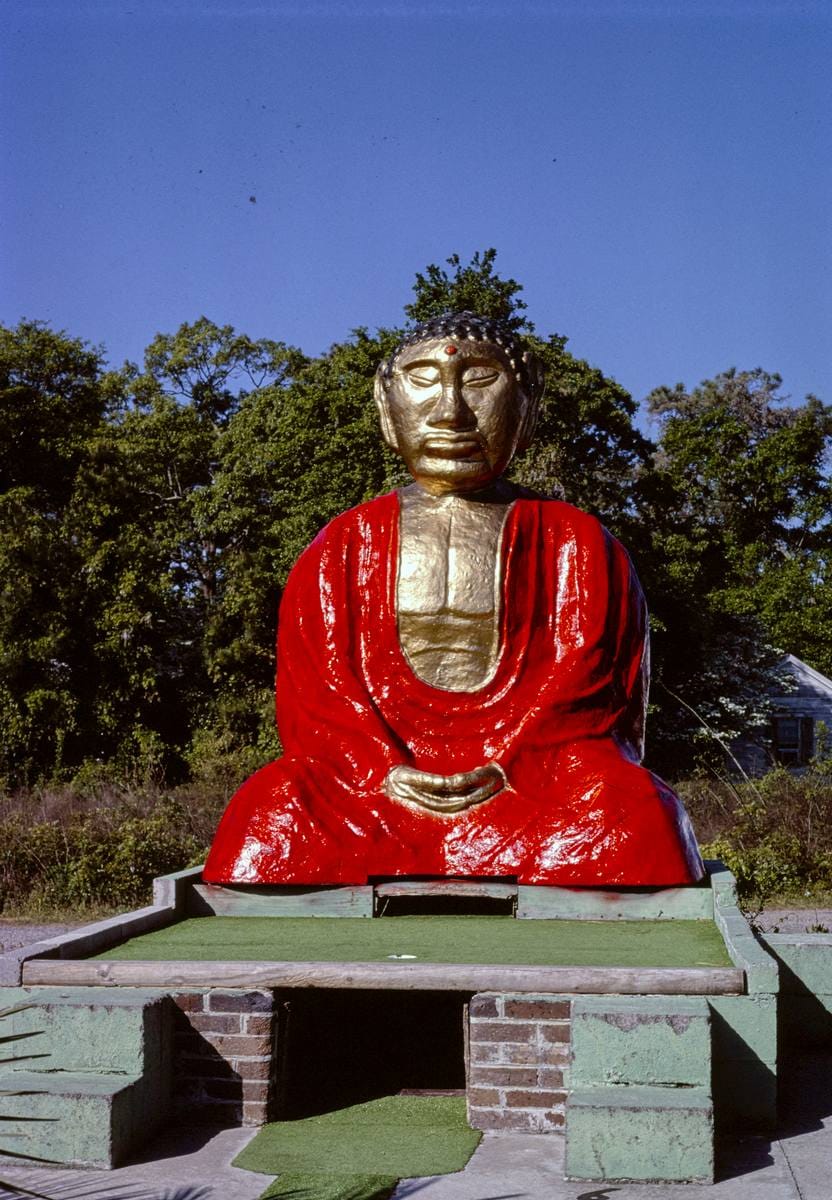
{"x":348,"y":1046}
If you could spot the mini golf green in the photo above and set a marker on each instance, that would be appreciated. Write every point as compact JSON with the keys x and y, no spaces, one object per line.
{"x":453,"y":939}
{"x":366,"y":1146}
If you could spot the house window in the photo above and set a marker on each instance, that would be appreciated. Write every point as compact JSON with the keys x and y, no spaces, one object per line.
{"x":794,"y":740}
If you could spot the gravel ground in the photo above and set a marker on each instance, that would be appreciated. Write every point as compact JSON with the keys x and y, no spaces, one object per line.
{"x":21,"y":933}
{"x":795,"y":920}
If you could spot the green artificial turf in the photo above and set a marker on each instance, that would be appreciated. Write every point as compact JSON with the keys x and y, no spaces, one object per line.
{"x":305,"y":1186}
{"x":384,"y":1139}
{"x":434,"y":939}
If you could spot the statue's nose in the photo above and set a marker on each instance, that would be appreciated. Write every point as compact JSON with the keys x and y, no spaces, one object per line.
{"x":450,"y":410}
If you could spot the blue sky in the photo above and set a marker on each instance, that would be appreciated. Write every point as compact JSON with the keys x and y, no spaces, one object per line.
{"x":657,"y":175}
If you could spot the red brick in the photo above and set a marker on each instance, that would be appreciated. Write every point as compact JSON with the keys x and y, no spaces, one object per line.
{"x":554,"y":1054}
{"x":189,"y":1001}
{"x":556,"y":1118}
{"x":534,"y":1099}
{"x":484,"y":1006}
{"x":555,"y":1033}
{"x":483,"y":1097}
{"x":499,"y":1118}
{"x":262,"y":1002}
{"x":260,"y":1023}
{"x":502,"y":1031}
{"x":252,"y":1068}
{"x":255,"y":1090}
{"x":538,"y":1010}
{"x":239,"y":1045}
{"x":484,"y":1052}
{"x":504,"y":1076}
{"x":518,"y":1054}
{"x":215,"y":1022}
{"x":550,"y":1077}
{"x":255,"y":1113}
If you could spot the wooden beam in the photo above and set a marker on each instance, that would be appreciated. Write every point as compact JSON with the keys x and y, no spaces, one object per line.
{"x":447,"y":888}
{"x":206,"y":899}
{"x":460,"y":977}
{"x":595,"y":904}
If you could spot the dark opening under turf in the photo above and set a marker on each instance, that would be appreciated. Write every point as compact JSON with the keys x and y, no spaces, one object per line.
{"x":381,"y":1141}
{"x":455,"y":939}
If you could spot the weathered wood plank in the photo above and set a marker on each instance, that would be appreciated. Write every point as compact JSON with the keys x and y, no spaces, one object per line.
{"x":575,"y":904}
{"x":206,"y":899}
{"x":447,"y":888}
{"x":462,"y":977}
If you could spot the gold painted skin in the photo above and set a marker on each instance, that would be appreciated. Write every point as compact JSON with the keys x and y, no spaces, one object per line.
{"x":457,"y":420}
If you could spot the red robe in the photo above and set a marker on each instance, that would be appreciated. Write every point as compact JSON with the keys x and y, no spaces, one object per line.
{"x":560,"y":716}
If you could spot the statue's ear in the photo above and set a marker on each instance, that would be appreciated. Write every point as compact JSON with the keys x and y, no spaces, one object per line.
{"x":380,"y":397}
{"x":536,"y":378}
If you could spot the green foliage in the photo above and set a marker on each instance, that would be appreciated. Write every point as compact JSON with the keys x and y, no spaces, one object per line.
{"x":93,"y":857}
{"x":737,"y":504}
{"x":472,"y":288}
{"x":774,"y":833}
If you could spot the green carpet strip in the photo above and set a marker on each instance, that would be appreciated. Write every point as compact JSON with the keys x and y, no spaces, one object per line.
{"x":362,"y":1150}
{"x":332,"y":1187}
{"x":452,"y":939}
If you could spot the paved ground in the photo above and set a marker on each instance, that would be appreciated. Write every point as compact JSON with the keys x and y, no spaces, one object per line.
{"x":191,"y":1165}
{"x":22,"y":933}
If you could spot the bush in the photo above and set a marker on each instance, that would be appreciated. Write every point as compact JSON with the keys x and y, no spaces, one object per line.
{"x":80,"y":849}
{"x":774,"y":833}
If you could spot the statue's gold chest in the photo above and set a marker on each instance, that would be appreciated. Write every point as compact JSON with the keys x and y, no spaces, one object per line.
{"x":448,"y":589}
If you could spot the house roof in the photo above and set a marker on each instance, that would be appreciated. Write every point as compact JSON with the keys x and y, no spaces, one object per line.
{"x":809,"y":681}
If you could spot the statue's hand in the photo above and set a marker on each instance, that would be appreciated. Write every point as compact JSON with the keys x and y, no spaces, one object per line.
{"x":445,"y":793}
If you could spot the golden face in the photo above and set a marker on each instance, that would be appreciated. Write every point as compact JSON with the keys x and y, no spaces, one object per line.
{"x":454,"y":411}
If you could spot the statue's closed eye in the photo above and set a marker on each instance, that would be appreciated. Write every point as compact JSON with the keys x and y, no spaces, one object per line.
{"x":425,"y":377}
{"x":481,"y":377}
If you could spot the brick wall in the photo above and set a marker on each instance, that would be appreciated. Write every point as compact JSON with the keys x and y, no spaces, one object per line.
{"x":518,"y":1054}
{"x":227,"y":1056}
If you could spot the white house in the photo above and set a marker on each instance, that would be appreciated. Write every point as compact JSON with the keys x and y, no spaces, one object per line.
{"x":795,"y":720}
{"x":798,"y":714}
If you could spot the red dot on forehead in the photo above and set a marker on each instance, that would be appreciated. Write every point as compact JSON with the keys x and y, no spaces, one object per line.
{"x":450,"y":349}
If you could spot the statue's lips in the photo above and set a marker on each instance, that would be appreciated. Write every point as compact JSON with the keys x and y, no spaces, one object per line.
{"x":454,"y":445}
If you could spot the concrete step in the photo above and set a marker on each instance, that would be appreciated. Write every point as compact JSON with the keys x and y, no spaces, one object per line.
{"x":73,"y":1118}
{"x":85,"y":1074}
{"x":83,"y":1029}
{"x":640,"y":1133}
{"x":650,"y":1040}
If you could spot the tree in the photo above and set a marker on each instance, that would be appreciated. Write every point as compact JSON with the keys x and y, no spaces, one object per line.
{"x":738,"y":505}
{"x":51,"y":404}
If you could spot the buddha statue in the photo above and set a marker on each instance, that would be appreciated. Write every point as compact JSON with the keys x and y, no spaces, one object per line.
{"x":462,"y":666}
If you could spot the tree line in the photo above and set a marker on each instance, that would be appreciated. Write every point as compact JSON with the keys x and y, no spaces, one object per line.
{"x":149,"y":516}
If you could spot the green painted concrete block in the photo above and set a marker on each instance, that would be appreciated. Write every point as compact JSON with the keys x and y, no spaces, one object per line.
{"x":805,"y":1022}
{"x":640,"y":1133}
{"x":744,"y":1026}
{"x":85,"y":1030}
{"x":641,"y":1040}
{"x":807,"y":961}
{"x":745,"y":1095}
{"x":86,"y":1075}
{"x":723,"y":882}
{"x":761,"y":969}
{"x":744,"y":1030}
{"x":71,"y":1118}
